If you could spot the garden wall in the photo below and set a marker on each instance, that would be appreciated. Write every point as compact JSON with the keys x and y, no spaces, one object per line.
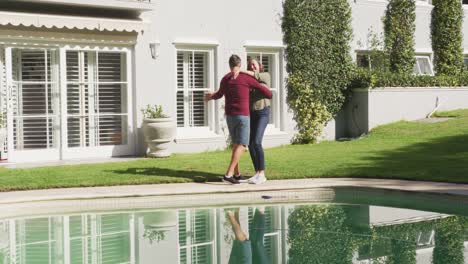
{"x":369,"y":108}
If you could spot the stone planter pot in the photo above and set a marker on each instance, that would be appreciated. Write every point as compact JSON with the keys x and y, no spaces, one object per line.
{"x":161,"y":220}
{"x":158,"y":224}
{"x":159,"y":133}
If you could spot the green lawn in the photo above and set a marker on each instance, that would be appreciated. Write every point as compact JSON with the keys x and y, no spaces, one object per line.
{"x":403,"y":150}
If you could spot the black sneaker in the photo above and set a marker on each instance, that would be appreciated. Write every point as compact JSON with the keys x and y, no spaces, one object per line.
{"x":240,"y":178}
{"x":231,"y":180}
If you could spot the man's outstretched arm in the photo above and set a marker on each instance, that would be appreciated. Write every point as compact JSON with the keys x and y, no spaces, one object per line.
{"x":216,"y":95}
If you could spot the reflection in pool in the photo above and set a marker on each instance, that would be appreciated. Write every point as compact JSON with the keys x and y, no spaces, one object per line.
{"x":283,"y":233}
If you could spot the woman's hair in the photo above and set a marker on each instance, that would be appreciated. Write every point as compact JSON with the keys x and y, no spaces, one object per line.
{"x":249,"y":65}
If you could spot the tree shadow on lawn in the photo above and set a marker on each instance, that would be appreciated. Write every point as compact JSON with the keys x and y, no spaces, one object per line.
{"x":196,"y":176}
{"x":439,"y":159}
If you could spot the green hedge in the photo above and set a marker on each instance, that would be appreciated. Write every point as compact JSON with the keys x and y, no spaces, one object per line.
{"x":371,"y":79}
{"x":449,"y":241}
{"x":447,"y":36}
{"x":319,"y":234}
{"x":399,"y":28}
{"x":317,"y":35}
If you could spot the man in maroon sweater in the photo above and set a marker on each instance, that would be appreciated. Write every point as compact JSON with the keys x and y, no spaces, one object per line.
{"x":235,"y":87}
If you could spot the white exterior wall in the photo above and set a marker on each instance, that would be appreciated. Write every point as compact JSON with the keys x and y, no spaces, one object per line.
{"x":227,"y":28}
{"x":214,"y":24}
{"x":368,"y":109}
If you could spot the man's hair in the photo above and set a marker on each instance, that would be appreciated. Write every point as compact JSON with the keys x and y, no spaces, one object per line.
{"x":234,"y":61}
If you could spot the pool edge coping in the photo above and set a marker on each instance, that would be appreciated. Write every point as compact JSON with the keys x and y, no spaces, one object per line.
{"x":193,"y":189}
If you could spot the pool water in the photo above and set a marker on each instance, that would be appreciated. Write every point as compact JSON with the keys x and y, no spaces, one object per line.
{"x":266,"y":233}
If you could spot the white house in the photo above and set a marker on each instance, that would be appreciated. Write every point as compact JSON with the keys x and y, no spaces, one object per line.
{"x":74,"y":74}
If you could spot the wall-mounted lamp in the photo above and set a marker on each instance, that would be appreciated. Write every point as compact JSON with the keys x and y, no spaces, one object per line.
{"x":154,"y":48}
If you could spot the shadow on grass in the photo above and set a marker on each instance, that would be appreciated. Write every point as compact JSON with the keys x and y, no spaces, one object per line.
{"x":196,"y":176}
{"x":439,"y":159}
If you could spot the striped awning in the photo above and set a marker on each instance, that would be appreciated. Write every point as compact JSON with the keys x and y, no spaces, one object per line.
{"x":70,"y":22}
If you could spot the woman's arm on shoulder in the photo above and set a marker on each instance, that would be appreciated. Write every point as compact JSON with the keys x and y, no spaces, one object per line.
{"x":251,"y":73}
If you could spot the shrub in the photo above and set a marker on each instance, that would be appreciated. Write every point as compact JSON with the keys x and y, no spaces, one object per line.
{"x":399,"y":28}
{"x":310,"y":114}
{"x":447,"y":36}
{"x":317,"y":35}
{"x":371,"y":79}
{"x":449,"y":241}
{"x":320,"y":234}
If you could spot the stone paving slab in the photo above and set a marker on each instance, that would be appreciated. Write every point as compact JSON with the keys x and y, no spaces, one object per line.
{"x":220,"y":188}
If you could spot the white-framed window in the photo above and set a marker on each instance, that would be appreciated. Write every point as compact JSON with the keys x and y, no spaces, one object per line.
{"x":35,"y":98}
{"x":197,"y":236}
{"x":35,"y":240}
{"x":423,"y":65}
{"x":465,"y":60}
{"x":465,"y":2}
{"x":194,"y":78}
{"x":96,"y":91}
{"x":106,"y":238}
{"x":270,"y":59}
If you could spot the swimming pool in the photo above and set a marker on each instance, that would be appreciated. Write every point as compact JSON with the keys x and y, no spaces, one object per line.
{"x":337,"y":225}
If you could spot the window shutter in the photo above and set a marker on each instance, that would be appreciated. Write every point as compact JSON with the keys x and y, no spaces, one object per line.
{"x":96,"y":98}
{"x":180,"y":89}
{"x":198,"y":81}
{"x":32,"y":95}
{"x":192,"y":83}
{"x":36,"y":240}
{"x":77,"y":95}
{"x":195,"y":236}
{"x":111,"y":88}
{"x":3,"y":94}
{"x":110,"y":234}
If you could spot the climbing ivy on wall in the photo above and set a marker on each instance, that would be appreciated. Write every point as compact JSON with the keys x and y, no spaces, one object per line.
{"x":317,"y":35}
{"x":399,"y":27}
{"x":447,"y":36}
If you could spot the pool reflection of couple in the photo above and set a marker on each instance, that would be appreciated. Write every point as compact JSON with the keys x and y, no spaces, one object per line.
{"x":245,"y":249}
{"x":247,"y":108}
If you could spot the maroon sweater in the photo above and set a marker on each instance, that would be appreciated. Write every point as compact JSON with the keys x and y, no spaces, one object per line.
{"x":237,"y":92}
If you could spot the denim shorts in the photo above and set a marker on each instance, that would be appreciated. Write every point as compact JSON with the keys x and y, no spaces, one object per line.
{"x":239,"y":129}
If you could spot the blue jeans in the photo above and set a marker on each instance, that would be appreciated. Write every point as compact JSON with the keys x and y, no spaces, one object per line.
{"x":258,"y":123}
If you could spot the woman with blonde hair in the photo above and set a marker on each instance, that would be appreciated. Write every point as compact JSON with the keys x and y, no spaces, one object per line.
{"x":259,"y":118}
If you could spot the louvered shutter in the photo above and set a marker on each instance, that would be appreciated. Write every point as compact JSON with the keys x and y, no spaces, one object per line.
{"x":77,"y":98}
{"x":196,"y":236}
{"x":192,"y":83}
{"x":110,"y":235}
{"x":35,"y":93}
{"x":36,"y":241}
{"x":3,"y":95}
{"x":180,"y":90}
{"x":96,"y":98}
{"x":111,"y":103}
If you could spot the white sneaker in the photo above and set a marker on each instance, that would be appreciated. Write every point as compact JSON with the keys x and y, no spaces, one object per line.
{"x":259,"y":179}
{"x":253,"y":179}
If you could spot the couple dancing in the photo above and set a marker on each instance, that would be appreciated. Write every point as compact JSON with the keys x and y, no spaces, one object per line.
{"x":247,"y":108}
